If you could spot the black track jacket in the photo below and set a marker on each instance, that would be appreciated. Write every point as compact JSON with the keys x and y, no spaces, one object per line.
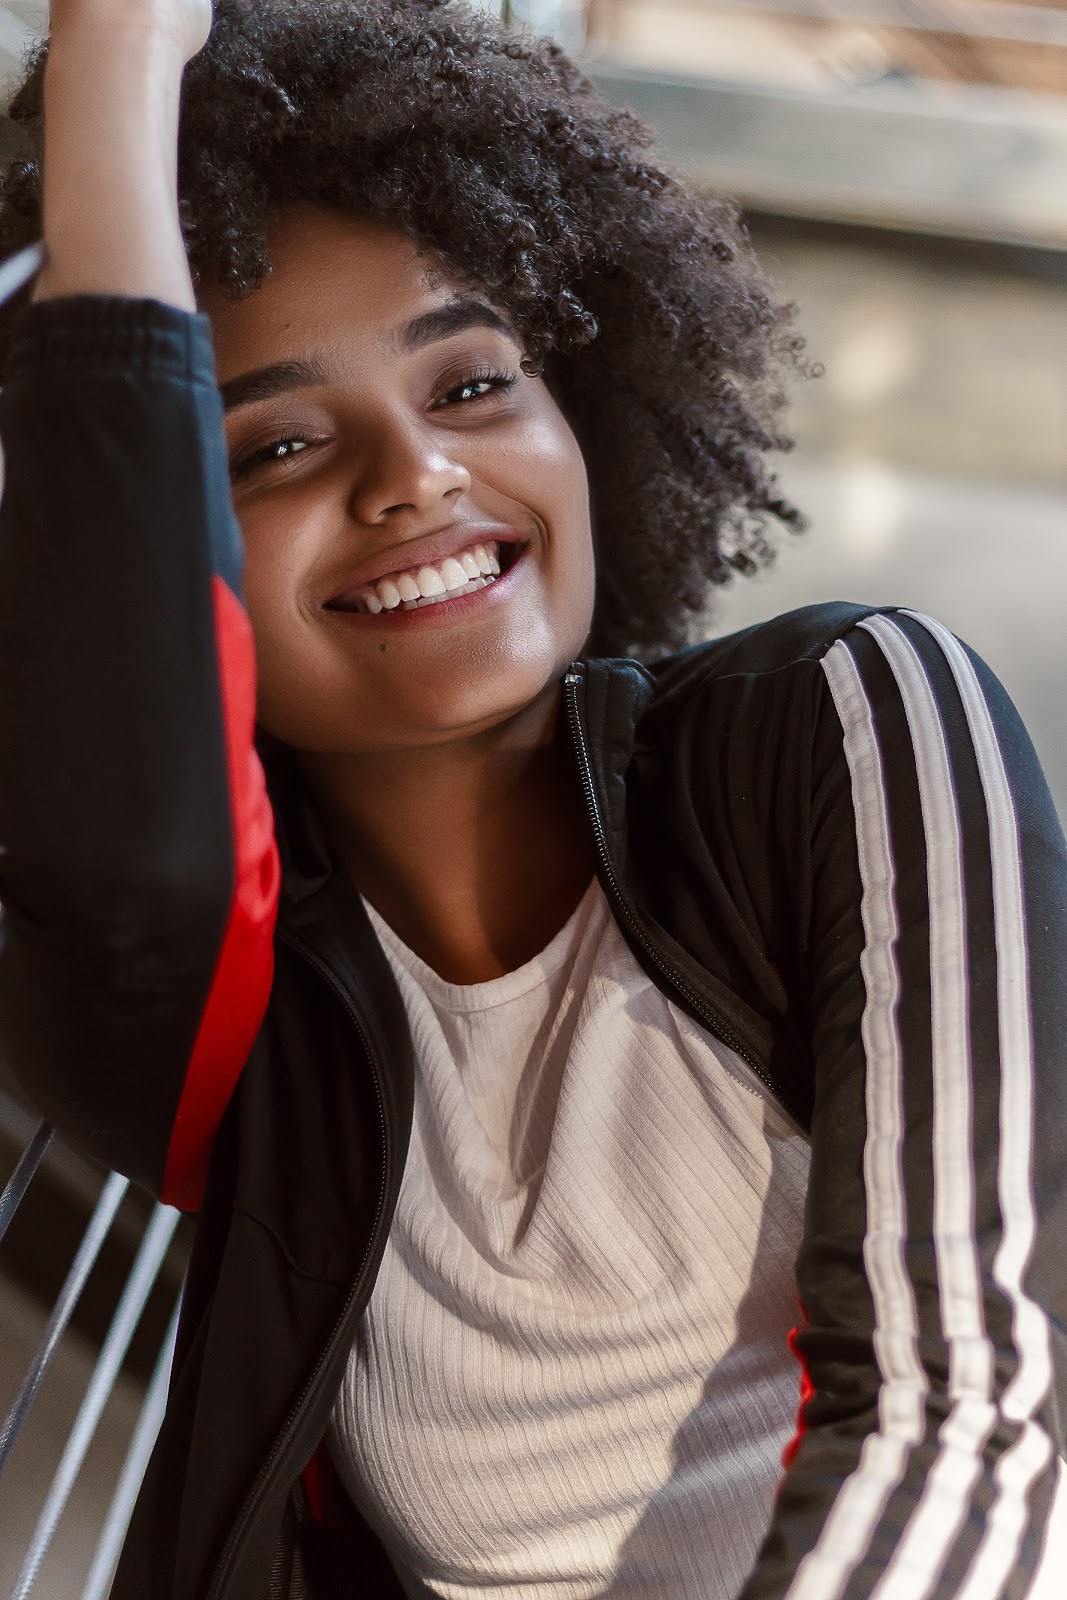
{"x":827,"y":838}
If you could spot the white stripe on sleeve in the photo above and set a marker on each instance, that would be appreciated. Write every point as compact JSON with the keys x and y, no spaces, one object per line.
{"x":945,"y":1500}
{"x":901,"y":1407}
{"x":1020,"y":1465}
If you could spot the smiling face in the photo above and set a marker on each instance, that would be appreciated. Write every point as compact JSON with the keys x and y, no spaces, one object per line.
{"x":386,"y":446}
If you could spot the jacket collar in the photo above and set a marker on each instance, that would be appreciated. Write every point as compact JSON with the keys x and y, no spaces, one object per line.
{"x":612,"y":699}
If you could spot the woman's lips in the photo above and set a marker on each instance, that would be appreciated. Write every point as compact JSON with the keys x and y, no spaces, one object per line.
{"x":467,"y":569}
{"x":445,"y":608}
{"x":448,"y":558}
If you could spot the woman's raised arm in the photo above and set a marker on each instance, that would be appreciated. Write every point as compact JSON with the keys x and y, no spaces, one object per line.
{"x":138,"y":870}
{"x":112,"y":90}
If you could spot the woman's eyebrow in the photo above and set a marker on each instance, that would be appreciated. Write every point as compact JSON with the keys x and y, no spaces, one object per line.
{"x":455,"y":317}
{"x":265,"y":382}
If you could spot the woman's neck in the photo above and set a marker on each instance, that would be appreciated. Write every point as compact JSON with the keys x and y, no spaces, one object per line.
{"x":475,"y":852}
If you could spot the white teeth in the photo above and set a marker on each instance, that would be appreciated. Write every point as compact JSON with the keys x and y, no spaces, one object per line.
{"x":430,"y":582}
{"x":464,"y":573}
{"x":450,"y":594}
{"x":453,"y":574}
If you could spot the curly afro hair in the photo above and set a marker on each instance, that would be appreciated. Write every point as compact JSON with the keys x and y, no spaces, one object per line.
{"x":639,"y":298}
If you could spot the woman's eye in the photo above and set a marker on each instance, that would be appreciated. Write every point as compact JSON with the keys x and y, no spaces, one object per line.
{"x":277,"y":450}
{"x":478,"y":387}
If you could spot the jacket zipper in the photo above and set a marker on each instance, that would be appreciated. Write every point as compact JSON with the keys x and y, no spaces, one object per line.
{"x":259,"y":1488}
{"x":623,"y":906}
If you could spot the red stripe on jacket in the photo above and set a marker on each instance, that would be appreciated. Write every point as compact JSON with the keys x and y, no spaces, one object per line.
{"x":807,"y":1390}
{"x":323,"y":1488}
{"x":238,"y":997}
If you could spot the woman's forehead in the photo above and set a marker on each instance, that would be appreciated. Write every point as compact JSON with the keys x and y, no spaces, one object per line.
{"x":336,"y":279}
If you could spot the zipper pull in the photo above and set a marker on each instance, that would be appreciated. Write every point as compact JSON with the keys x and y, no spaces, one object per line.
{"x":575,"y":673}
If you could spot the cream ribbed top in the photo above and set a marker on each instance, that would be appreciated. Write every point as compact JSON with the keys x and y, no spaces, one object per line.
{"x":573,"y":1377}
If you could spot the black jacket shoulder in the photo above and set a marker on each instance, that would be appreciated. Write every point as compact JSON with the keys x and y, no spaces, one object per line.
{"x":803,"y":635}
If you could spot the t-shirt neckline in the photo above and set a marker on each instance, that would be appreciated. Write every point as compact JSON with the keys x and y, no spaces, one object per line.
{"x":510,"y":985}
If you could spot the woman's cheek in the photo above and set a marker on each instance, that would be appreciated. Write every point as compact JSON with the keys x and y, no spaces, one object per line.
{"x":544,"y":470}
{"x":283,"y":636}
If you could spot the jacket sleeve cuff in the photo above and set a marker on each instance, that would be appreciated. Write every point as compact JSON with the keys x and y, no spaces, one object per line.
{"x":105,"y":333}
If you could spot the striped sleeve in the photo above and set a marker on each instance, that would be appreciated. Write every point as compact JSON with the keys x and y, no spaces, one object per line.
{"x":932,"y":1273}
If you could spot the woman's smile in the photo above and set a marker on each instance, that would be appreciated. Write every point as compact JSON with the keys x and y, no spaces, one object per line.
{"x":460,"y":603}
{"x":431,"y":572}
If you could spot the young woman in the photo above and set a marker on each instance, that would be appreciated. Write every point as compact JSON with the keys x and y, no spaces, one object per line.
{"x":559,"y":1021}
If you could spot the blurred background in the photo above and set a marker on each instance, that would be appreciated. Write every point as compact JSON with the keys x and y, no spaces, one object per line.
{"x":903,"y":168}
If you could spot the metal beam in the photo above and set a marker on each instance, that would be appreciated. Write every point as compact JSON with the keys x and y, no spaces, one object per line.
{"x":944,"y":159}
{"x":991,"y":19}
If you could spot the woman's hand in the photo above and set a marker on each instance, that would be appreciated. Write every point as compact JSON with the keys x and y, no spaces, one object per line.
{"x":186,"y":23}
{"x":111,"y":97}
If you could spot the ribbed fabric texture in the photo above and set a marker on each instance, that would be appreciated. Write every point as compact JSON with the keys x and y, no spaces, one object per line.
{"x":573,"y":1377}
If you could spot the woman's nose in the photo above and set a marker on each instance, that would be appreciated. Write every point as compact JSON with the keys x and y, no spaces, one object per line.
{"x":406,"y":471}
